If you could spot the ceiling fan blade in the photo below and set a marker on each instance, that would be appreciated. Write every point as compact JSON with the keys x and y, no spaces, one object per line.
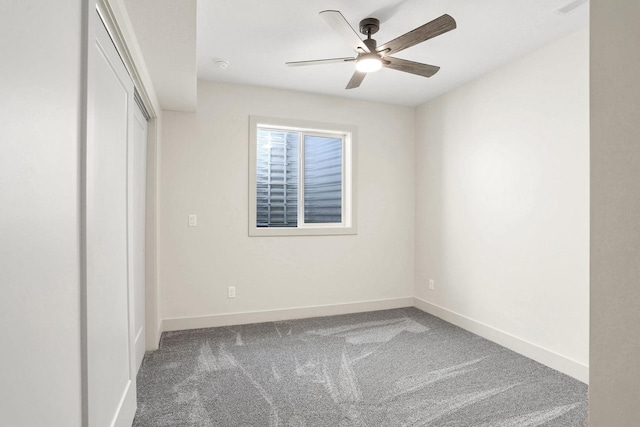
{"x":425,"y":32}
{"x":319,"y":61}
{"x":356,"y":79}
{"x":417,"y":68}
{"x":348,"y":34}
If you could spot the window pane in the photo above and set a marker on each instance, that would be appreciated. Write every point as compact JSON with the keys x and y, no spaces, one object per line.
{"x":322,"y":179}
{"x":277,"y":178}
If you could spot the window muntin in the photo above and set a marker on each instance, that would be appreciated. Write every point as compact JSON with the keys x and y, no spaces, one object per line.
{"x":301,"y":178}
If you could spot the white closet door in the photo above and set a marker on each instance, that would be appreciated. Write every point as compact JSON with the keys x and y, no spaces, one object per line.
{"x":111,"y":367}
{"x":137,"y":202}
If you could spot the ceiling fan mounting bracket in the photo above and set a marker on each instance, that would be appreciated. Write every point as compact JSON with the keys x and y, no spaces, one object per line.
{"x":369,"y":26}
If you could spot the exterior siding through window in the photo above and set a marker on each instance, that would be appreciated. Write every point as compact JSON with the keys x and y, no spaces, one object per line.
{"x":278,"y":175}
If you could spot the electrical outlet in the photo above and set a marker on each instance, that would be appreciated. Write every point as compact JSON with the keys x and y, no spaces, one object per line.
{"x":432,"y":284}
{"x":193,"y":220}
{"x":231,"y":292}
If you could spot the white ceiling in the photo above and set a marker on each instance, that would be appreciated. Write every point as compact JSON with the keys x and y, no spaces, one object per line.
{"x":258,"y":36}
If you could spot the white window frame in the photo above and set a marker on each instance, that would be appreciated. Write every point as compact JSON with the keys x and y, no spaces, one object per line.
{"x":349,"y":200}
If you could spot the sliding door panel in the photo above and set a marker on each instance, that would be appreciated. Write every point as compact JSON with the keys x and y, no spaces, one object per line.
{"x":137,"y":202}
{"x":110,"y":352}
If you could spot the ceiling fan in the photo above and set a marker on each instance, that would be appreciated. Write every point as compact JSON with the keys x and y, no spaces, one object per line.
{"x":371,"y":57}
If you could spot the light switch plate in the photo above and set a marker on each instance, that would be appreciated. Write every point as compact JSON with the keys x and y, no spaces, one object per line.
{"x":193,"y":220}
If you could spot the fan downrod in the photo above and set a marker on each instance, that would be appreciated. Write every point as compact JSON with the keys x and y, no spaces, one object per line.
{"x":369,"y":26}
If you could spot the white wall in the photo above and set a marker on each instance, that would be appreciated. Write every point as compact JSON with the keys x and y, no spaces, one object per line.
{"x":502,"y":203}
{"x":40,"y":107}
{"x":615,"y":220}
{"x":205,"y":172}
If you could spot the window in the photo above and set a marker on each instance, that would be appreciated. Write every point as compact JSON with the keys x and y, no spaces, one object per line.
{"x":301,"y":178}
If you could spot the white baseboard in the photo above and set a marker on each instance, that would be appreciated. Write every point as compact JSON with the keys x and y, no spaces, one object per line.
{"x":182,"y":323}
{"x":553,"y":360}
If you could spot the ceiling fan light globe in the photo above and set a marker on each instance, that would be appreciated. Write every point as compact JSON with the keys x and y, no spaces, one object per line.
{"x":368,"y":64}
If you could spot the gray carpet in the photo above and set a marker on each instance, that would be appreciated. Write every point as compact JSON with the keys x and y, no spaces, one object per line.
{"x":387,"y":368}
